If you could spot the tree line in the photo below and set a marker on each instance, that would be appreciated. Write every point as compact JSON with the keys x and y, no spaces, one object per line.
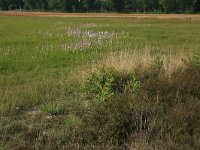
{"x":103,"y":5}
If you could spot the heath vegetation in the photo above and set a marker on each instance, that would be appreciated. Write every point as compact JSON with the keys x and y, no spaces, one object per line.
{"x":99,"y":83}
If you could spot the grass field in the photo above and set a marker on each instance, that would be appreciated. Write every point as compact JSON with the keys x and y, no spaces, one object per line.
{"x":45,"y":62}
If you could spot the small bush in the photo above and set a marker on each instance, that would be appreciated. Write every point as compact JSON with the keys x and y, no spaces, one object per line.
{"x":143,"y":109}
{"x":101,"y":84}
{"x":107,"y":82}
{"x":187,"y":81}
{"x":120,"y":115}
{"x":115,"y":121}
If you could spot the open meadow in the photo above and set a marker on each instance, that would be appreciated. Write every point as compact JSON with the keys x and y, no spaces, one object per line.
{"x":86,"y":82}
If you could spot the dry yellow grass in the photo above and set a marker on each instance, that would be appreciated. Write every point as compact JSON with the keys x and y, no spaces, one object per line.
{"x":125,"y":62}
{"x":94,"y":15}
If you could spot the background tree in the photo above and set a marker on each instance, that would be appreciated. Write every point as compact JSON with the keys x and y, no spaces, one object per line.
{"x":150,"y":5}
{"x":41,"y":4}
{"x":104,"y":5}
{"x":169,"y":5}
{"x":89,"y":5}
{"x":118,"y":5}
{"x":108,"y":5}
{"x":3,"y":5}
{"x":185,"y":4}
{"x":29,"y":4}
{"x":130,"y":5}
{"x":54,"y":5}
{"x":10,"y":4}
{"x":196,"y":5}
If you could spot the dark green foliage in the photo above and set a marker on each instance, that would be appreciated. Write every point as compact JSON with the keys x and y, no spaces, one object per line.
{"x":11,"y":4}
{"x":107,"y":82}
{"x":119,"y":5}
{"x":169,"y":5}
{"x":104,"y":5}
{"x":12,"y":7}
{"x":196,"y":5}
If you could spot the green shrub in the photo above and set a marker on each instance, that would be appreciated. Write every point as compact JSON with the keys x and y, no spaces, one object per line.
{"x":187,"y":81}
{"x":107,"y":82}
{"x":115,"y":121}
{"x":101,"y":84}
{"x":121,"y":113}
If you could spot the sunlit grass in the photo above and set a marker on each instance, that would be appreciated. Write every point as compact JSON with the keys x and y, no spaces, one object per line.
{"x":35,"y":50}
{"x":45,"y":60}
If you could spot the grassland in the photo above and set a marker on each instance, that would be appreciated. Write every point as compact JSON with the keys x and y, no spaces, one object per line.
{"x":45,"y":62}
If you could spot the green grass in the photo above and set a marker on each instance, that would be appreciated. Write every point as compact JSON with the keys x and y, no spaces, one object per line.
{"x":43,"y":59}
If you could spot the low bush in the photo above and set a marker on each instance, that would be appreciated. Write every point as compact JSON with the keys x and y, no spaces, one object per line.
{"x":107,"y":82}
{"x":145,"y":104}
{"x":142,"y":109}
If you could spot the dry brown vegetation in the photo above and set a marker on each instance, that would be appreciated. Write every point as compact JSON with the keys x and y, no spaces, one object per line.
{"x":125,"y":62}
{"x":95,"y":15}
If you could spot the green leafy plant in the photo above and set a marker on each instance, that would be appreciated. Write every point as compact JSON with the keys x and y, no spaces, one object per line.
{"x":100,"y":84}
{"x":133,"y":85}
{"x":107,"y":82}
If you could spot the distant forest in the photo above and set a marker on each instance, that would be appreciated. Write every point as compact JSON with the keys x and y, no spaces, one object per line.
{"x":178,"y":6}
